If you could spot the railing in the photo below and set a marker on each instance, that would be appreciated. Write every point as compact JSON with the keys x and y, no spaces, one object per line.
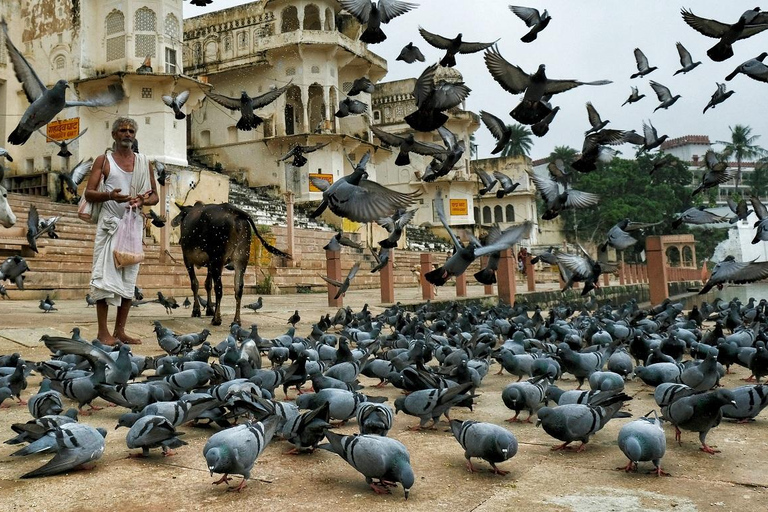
{"x":683,"y":274}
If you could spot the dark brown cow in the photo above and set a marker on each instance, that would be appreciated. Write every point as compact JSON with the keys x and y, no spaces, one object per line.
{"x":214,"y":235}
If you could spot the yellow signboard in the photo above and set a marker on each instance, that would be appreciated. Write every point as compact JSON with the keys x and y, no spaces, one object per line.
{"x":63,"y":130}
{"x":459,"y":207}
{"x":324,"y":177}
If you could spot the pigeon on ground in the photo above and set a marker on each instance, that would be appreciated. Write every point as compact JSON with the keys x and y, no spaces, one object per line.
{"x":374,"y":418}
{"x":294,"y":318}
{"x":533,"y":19}
{"x":342,"y":287}
{"x":463,"y":256}
{"x":255,"y":306}
{"x":45,"y":104}
{"x":643,"y":440}
{"x":234,"y":451}
{"x":75,"y":444}
{"x":298,"y":151}
{"x":46,"y":307}
{"x":731,"y":271}
{"x":452,"y":46}
{"x":486,"y":180}
{"x":46,"y":402}
{"x":699,"y":413}
{"x":63,"y":144}
{"x":514,"y":80}
{"x":750,"y":401}
{"x":719,"y":96}
{"x":664,"y":95}
{"x":34,"y":429}
{"x":487,"y":441}
{"x":33,"y":224}
{"x":634,"y":96}
{"x":432,"y":403}
{"x":686,"y":61}
{"x":376,"y":457}
{"x":529,"y":396}
{"x":642,"y":64}
{"x":13,"y":269}
{"x":372,"y":15}
{"x":749,"y":23}
{"x":153,"y":432}
{"x":187,"y":303}
{"x":246,"y":105}
{"x":359,"y":199}
{"x":349,"y":106}
{"x":175,"y":102}
{"x":498,"y":129}
{"x":556,"y":201}
{"x":305,"y":431}
{"x":410,"y":54}
{"x":395,"y":224}
{"x":406,"y":144}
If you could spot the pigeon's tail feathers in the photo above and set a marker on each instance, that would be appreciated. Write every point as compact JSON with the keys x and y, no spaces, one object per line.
{"x":402,"y":159}
{"x":426,"y":120}
{"x":373,"y":35}
{"x":720,"y":52}
{"x":539,"y":129}
{"x":19,"y":136}
{"x":248,"y":123}
{"x":530,"y":114}
{"x":529,"y":37}
{"x":180,"y":114}
{"x":448,"y":61}
{"x":437,"y":277}
{"x":486,"y":276}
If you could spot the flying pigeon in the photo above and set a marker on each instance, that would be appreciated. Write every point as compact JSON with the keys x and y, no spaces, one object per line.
{"x":717,"y":172}
{"x":498,"y":129}
{"x":433,"y":98}
{"x":556,"y":201}
{"x":349,"y":106}
{"x":381,"y":259}
{"x":246,"y":105}
{"x":441,"y":165}
{"x":595,"y":149}
{"x":486,"y":180}
{"x":372,"y":15}
{"x":340,"y":239}
{"x":452,"y":46}
{"x":753,"y":68}
{"x":298,"y":151}
{"x":362,"y":84}
{"x":4,"y":152}
{"x":740,"y":209}
{"x":685,"y":60}
{"x":45,"y":104}
{"x":731,"y":271}
{"x":584,"y":269}
{"x":618,"y":236}
{"x":642,"y":64}
{"x":634,"y":96}
{"x":410,"y":54}
{"x":594,"y":119}
{"x":533,"y":19}
{"x":394,"y":224}
{"x":749,"y":23}
{"x":762,"y":223}
{"x":342,"y":286}
{"x":63,"y":144}
{"x":407,"y":143}
{"x":698,"y":215}
{"x":648,"y":140}
{"x":176,"y":102}
{"x":664,"y":95}
{"x":719,"y":96}
{"x":506,"y":185}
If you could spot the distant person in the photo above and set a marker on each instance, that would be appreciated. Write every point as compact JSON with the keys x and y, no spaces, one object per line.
{"x":128,"y":181}
{"x":522,"y":259}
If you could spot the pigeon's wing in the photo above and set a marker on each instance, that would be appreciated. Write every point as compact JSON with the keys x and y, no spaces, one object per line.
{"x":353,"y":271}
{"x":81,"y":169}
{"x":739,"y":271}
{"x":355,"y":106}
{"x":440,"y":209}
{"x":268,"y":97}
{"x":328,"y":280}
{"x":389,"y":9}
{"x":505,"y":180}
{"x":592,"y":115}
{"x":31,"y":84}
{"x":633,"y":137}
{"x":707,"y":27}
{"x":182,"y":97}
{"x":370,"y":201}
{"x":310,"y":149}
{"x":388,"y":138}
{"x":529,"y":15}
{"x":495,"y":125}
{"x":405,"y":218}
{"x":70,"y":141}
{"x":472,"y":47}
{"x":320,"y":184}
{"x":579,"y":199}
{"x":428,"y":149}
{"x":69,"y":454}
{"x":575,"y":263}
{"x":435,"y":40}
{"x":374,"y":254}
{"x":360,"y":9}
{"x":507,"y":239}
{"x":449,"y":138}
{"x":662,"y":91}
{"x":447,"y":95}
{"x":167,"y":99}
{"x":511,"y":78}
{"x":685,"y":55}
{"x":546,"y":187}
{"x":557,"y":86}
{"x":33,"y":220}
{"x":760,"y":210}
{"x":620,"y":238}
{"x":641,"y":59}
{"x":557,"y":168}
{"x":492,"y":235}
{"x":484,"y":177}
{"x":70,"y":346}
{"x":649,"y":132}
{"x":732,"y":205}
{"x":112,"y":95}
{"x":225,"y":101}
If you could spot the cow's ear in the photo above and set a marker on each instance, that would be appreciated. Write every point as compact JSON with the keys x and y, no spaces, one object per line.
{"x":182,"y":213}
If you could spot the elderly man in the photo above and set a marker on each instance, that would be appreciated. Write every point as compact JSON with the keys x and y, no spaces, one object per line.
{"x":128,"y":181}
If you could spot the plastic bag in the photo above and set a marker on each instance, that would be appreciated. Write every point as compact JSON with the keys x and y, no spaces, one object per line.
{"x":128,"y":247}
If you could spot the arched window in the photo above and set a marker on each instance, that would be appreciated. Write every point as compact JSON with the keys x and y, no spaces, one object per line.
{"x":510,"y":213}
{"x":145,"y":28}
{"x":476,"y":212}
{"x":172,"y":27}
{"x":211,"y":50}
{"x":487,"y":215}
{"x":115,"y":31}
{"x":673,"y":256}
{"x":60,"y":62}
{"x":498,"y":214}
{"x":205,"y":138}
{"x":312,"y":18}
{"x":687,"y":256}
{"x":289,"y":19}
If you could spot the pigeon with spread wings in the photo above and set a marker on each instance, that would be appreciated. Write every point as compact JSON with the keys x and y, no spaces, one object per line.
{"x":452,"y":46}
{"x":717,"y":172}
{"x":395,"y":224}
{"x":45,"y":104}
{"x":407,"y":143}
{"x":298,"y":151}
{"x":719,"y":96}
{"x":463,"y":256}
{"x":739,"y":272}
{"x":533,"y":19}
{"x":535,"y":86}
{"x":63,"y":144}
{"x":372,"y":15}
{"x":433,"y":97}
{"x":686,"y":61}
{"x":500,"y":131}
{"x":665,"y":96}
{"x":246,"y":105}
{"x":556,"y":201}
{"x":342,"y":286}
{"x":762,"y":223}
{"x":176,"y":102}
{"x":584,"y":269}
{"x":753,"y":68}
{"x":749,"y":23}
{"x":618,"y":236}
{"x":71,"y":180}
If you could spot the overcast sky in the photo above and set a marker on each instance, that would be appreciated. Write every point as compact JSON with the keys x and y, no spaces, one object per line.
{"x":588,"y":40}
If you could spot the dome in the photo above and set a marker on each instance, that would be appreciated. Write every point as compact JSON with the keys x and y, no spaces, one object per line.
{"x":446,"y":74}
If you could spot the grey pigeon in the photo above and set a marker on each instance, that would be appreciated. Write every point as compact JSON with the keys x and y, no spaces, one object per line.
{"x":529,"y":396}
{"x":717,"y":172}
{"x":342,"y":403}
{"x":704,"y":376}
{"x":657,"y":373}
{"x":45,"y":402}
{"x":643,"y":440}
{"x":4,"y":154}
{"x":719,"y":96}
{"x":699,"y":413}
{"x":487,"y":181}
{"x":395,"y":224}
{"x":340,"y":239}
{"x":643,"y":68}
{"x":246,"y":105}
{"x":441,"y":165}
{"x":498,"y":129}
{"x":234,"y":451}
{"x":410,"y":54}
{"x":595,"y":120}
{"x":45,"y":104}
{"x":452,"y":46}
{"x":665,"y":96}
{"x":432,"y":403}
{"x":306,"y":430}
{"x":342,"y":286}
{"x":407,"y":144}
{"x":74,"y":444}
{"x":376,"y":457}
{"x":740,"y":209}
{"x":349,"y":106}
{"x":153,"y":432}
{"x":362,"y":84}
{"x":634,"y":96}
{"x":433,"y":97}
{"x":298,"y":151}
{"x":556,"y":201}
{"x":487,"y":441}
{"x":749,"y":23}
{"x":372,"y":15}
{"x":64,"y":151}
{"x":577,"y":422}
{"x":750,"y":401}
{"x":606,"y":381}
{"x":731,"y":271}
{"x":175,"y":102}
{"x":667,"y":392}
{"x":533,"y":18}
{"x":374,"y":418}
{"x":35,"y":429}
{"x":686,"y":61}
{"x":761,"y":234}
{"x":506,"y":185}
{"x":698,"y":216}
{"x":381,"y":258}
{"x":648,"y":140}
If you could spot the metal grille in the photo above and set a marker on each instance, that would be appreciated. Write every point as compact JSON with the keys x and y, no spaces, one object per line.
{"x":146,"y":92}
{"x":145,"y":45}
{"x":115,"y":22}
{"x":116,"y":48}
{"x":145,"y":20}
{"x":172,"y":26}
{"x":315,"y":69}
{"x":346,"y":87}
{"x":60,"y":62}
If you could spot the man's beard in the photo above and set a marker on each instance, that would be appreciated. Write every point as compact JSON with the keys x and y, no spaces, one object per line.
{"x":126,"y":143}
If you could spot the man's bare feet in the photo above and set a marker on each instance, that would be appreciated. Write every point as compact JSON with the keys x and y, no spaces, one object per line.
{"x":107,"y":339}
{"x":122,"y":336}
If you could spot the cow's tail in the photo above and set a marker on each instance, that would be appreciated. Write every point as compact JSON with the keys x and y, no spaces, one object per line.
{"x":269,"y":247}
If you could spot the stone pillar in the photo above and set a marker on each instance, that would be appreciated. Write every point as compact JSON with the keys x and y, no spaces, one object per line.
{"x":427,"y":290}
{"x":327,"y":104}
{"x":280,"y":117}
{"x":657,"y":269}
{"x":289,"y":202}
{"x":305,"y":110}
{"x":622,"y":274}
{"x":506,"y":277}
{"x":387,"y":280}
{"x":606,"y":279}
{"x":333,"y":266}
{"x":461,"y":285}
{"x":165,"y":231}
{"x":530,"y":274}
{"x":693,"y":255}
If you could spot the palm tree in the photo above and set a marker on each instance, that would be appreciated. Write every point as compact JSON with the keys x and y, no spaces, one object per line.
{"x":742,"y":146}
{"x":757,"y":180}
{"x":565,"y":153}
{"x":520,"y":141}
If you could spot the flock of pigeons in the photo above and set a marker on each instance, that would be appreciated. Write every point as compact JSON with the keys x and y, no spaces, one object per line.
{"x":439,"y":358}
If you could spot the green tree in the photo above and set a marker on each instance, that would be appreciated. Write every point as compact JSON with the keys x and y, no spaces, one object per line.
{"x":520,"y":141}
{"x":742,"y":147}
{"x":757,"y":180}
{"x":565,"y":153}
